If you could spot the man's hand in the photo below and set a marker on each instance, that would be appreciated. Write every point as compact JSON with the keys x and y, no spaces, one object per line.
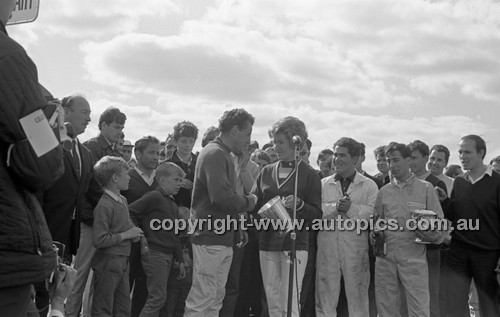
{"x":344,"y":204}
{"x":442,"y":195}
{"x":186,"y":183}
{"x":288,"y":202}
{"x":65,"y":281}
{"x":243,"y":238}
{"x":184,"y":213}
{"x":431,"y":236}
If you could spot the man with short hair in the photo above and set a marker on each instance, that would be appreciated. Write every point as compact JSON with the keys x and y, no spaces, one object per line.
{"x":359,"y":167}
{"x":215,"y":197}
{"x":62,"y":203}
{"x":346,"y":195}
{"x":474,"y":254}
{"x":405,"y":263}
{"x":418,"y":162}
{"x":382,"y":167}
{"x":127,"y":150}
{"x":438,"y":160}
{"x":324,"y":162}
{"x":111,"y":124}
{"x":142,"y":180}
{"x":371,"y":256}
{"x":495,"y":164}
{"x":305,"y":152}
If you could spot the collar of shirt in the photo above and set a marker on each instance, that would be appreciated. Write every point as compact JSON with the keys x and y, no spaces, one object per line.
{"x":337,"y":177}
{"x":424,"y":175}
{"x":188,"y":163}
{"x":148,"y":179}
{"x":236,"y":161}
{"x":401,"y":184}
{"x":104,"y":142}
{"x":488,"y":171}
{"x":113,"y":195}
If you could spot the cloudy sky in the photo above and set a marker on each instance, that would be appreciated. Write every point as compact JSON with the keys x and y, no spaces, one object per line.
{"x":377,"y":71}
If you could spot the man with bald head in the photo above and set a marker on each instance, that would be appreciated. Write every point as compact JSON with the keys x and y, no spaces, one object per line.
{"x":62,"y":203}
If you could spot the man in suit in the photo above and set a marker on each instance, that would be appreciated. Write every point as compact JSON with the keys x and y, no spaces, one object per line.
{"x":62,"y":202}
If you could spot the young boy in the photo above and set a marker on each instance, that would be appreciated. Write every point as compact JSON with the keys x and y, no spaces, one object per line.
{"x":113,"y":231}
{"x":149,"y":212}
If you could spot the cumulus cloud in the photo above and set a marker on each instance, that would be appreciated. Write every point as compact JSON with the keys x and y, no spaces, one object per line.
{"x":97,"y":19}
{"x":338,"y":54}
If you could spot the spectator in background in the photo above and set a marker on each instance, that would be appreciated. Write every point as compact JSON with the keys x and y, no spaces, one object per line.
{"x":62,"y":203}
{"x":254,"y":145}
{"x":305,"y":151}
{"x":142,"y":180}
{"x":119,"y":144}
{"x":272,"y":154}
{"x":495,"y":164}
{"x":418,"y":162}
{"x":113,"y":231}
{"x":382,"y":166}
{"x":184,"y":136}
{"x":209,"y":135}
{"x":453,"y":171}
{"x":164,"y":245}
{"x":438,"y":159}
{"x":169,"y":147}
{"x":261,"y":158}
{"x":111,"y":124}
{"x":324,"y":162}
{"x":127,"y":150}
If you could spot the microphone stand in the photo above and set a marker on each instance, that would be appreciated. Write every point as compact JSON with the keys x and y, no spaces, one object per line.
{"x":293,"y":236}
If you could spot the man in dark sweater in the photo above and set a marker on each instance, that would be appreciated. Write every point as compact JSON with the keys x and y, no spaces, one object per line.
{"x":142,"y":180}
{"x":418,"y":166}
{"x":215,"y":197}
{"x":474,"y":254}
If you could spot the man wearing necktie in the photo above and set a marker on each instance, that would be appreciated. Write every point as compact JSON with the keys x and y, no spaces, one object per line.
{"x":62,"y":202}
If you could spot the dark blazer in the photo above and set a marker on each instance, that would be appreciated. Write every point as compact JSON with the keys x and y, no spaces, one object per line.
{"x":65,"y":198}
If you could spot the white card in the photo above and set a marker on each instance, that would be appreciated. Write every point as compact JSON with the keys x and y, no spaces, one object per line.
{"x":38,"y":131}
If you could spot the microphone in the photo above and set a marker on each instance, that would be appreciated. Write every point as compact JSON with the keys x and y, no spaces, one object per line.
{"x":297,"y":140}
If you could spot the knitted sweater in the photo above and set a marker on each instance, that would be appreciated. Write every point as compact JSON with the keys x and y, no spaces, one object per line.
{"x":111,"y":218}
{"x":214,"y":194}
{"x":137,"y":187}
{"x":309,"y":190}
{"x":480,"y":201}
{"x":157,"y":205}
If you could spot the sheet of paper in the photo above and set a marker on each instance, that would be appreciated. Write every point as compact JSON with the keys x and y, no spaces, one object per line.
{"x":38,"y":131}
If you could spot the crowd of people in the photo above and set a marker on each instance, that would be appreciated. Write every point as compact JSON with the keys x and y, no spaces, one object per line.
{"x":80,"y":239}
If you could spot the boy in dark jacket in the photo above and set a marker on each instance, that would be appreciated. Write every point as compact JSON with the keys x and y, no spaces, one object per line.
{"x":155,"y":208}
{"x":112,"y":231}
